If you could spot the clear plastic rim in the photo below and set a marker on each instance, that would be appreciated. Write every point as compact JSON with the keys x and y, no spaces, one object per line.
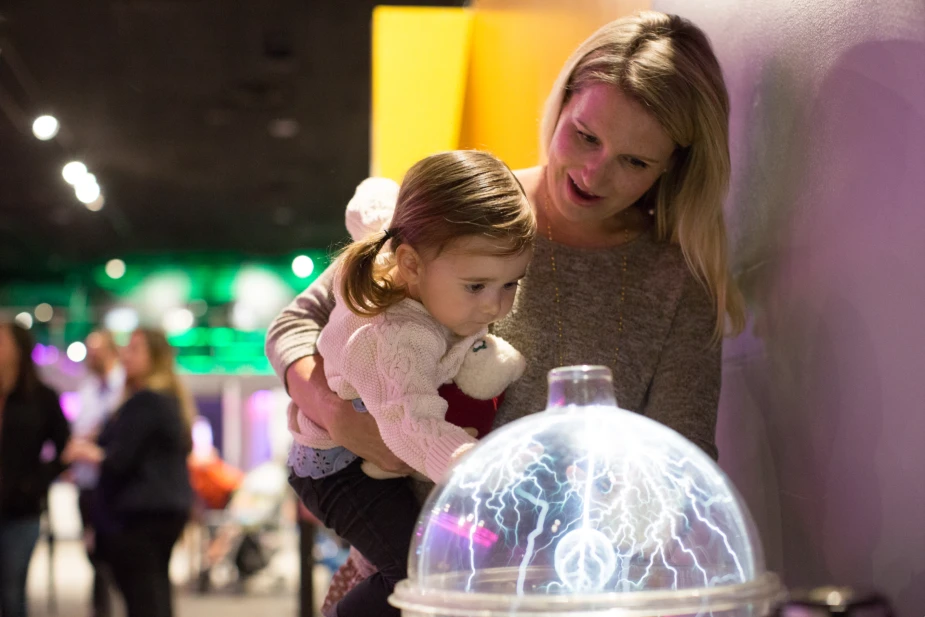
{"x":580,"y":372}
{"x":762,"y":592}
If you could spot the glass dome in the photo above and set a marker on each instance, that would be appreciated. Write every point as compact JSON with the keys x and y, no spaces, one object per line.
{"x":586,"y":509}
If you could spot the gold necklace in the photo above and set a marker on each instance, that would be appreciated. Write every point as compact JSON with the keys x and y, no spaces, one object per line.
{"x":555,"y":282}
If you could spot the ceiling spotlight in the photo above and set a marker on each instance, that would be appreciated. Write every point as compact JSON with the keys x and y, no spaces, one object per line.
{"x":73,"y":172}
{"x":87,"y":179}
{"x":45,"y":127}
{"x":97,"y":204}
{"x":87,"y":193}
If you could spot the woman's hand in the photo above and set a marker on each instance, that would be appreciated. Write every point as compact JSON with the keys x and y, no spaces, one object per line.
{"x":82,"y":451}
{"x":355,"y":431}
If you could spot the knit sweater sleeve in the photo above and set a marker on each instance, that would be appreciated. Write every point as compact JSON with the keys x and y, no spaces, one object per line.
{"x":684,"y":393}
{"x":294,"y":333}
{"x":394,"y":367}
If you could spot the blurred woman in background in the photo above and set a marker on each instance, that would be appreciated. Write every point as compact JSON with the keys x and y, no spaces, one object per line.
{"x":144,"y":497}
{"x":30,"y":417}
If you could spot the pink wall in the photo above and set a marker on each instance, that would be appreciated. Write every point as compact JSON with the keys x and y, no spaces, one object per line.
{"x":822,"y":420}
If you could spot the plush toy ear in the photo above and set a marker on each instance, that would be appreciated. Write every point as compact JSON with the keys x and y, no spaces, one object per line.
{"x":491,"y":365}
{"x":371,"y":208}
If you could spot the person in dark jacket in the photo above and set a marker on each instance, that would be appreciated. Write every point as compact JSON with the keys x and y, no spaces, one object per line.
{"x":143,"y":498}
{"x":30,"y":417}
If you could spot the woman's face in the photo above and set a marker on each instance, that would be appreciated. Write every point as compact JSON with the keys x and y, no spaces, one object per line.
{"x":606,"y":152}
{"x":136,"y":358}
{"x":9,"y":353}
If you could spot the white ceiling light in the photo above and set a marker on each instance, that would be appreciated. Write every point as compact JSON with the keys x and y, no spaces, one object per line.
{"x":45,"y":127}
{"x":73,"y":172}
{"x":97,"y":204}
{"x":87,"y":193}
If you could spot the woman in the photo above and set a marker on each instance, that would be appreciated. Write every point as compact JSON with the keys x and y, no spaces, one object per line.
{"x":30,"y":416}
{"x":143,"y":499}
{"x":630,"y":271}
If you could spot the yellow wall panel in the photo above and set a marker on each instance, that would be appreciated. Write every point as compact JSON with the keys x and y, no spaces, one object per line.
{"x":518,"y":47}
{"x":420,"y":61}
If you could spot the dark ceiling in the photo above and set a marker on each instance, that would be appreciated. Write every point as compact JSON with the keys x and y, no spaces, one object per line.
{"x":172,"y":104}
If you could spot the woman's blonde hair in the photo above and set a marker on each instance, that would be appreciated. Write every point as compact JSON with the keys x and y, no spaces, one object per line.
{"x":163,"y":377}
{"x":443,"y":198}
{"x":667,"y":64}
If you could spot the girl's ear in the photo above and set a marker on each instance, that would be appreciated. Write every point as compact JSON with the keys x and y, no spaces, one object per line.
{"x":410,"y":264}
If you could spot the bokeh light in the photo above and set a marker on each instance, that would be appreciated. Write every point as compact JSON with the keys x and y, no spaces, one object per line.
{"x":73,"y":172}
{"x":24,"y":319}
{"x":45,"y":127}
{"x":44,"y":312}
{"x":178,"y":320}
{"x":77,"y":352}
{"x":303,"y":266}
{"x":115,"y":268}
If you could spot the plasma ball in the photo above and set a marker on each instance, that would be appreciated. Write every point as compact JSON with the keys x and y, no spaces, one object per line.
{"x":585,"y":560}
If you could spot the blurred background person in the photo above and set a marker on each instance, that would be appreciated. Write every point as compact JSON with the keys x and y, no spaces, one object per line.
{"x":30,"y":416}
{"x":100,"y":395}
{"x":143,"y":499}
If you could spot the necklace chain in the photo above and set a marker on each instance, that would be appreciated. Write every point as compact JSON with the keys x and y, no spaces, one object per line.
{"x":555,"y":282}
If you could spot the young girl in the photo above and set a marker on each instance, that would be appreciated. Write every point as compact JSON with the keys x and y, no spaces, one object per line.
{"x":460,"y":240}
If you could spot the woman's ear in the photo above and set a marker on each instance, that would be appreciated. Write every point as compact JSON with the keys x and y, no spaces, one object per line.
{"x":409,"y":264}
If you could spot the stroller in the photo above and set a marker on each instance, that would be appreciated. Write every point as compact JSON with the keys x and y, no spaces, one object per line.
{"x":239,"y":541}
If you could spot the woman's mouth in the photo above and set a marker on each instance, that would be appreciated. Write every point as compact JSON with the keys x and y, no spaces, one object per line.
{"x":579,"y":195}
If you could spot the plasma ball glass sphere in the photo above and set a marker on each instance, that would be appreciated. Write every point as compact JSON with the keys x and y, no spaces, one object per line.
{"x":586,"y":509}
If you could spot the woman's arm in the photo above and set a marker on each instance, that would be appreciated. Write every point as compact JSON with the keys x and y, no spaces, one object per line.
{"x":684,"y":393}
{"x":294,"y":333}
{"x":291,"y":348}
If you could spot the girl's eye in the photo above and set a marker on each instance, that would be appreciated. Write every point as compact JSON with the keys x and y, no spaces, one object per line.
{"x":512,"y":285}
{"x":475,"y":288}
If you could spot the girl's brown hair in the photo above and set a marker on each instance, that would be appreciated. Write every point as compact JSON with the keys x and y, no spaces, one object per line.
{"x":444,"y":197}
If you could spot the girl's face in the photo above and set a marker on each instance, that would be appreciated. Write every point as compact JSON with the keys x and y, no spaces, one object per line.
{"x":468,"y":285}
{"x":136,"y":358}
{"x":606,"y":152}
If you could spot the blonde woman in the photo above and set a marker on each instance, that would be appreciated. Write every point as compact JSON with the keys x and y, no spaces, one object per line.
{"x":143,"y":498}
{"x":630,"y":268}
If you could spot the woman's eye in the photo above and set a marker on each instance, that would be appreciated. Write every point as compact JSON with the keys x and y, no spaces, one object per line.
{"x":591,"y":139}
{"x":475,"y":288}
{"x":637,"y":163}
